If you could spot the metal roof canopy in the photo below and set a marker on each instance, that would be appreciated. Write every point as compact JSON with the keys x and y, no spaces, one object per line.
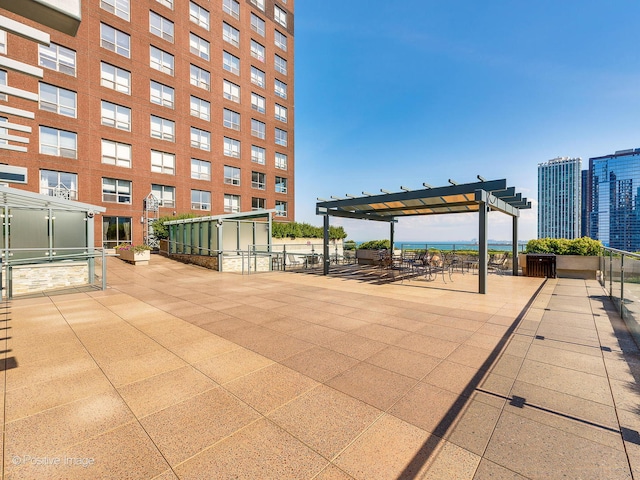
{"x":261,"y":213}
{"x":13,"y":197}
{"x":480,"y":197}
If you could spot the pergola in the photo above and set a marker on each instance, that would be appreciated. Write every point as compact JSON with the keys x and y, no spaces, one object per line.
{"x":481,"y":197}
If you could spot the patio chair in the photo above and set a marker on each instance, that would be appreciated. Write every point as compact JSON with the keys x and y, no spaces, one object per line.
{"x":293,"y":261}
{"x":498,"y":263}
{"x":435,"y":265}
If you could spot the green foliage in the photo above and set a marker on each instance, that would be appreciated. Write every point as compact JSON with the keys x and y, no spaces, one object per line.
{"x":562,"y":246}
{"x":304,"y":230}
{"x":160,"y":230}
{"x":130,"y":247}
{"x":350,"y":245}
{"x":375,"y":245}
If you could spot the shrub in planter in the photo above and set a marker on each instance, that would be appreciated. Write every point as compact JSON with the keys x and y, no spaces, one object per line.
{"x":584,"y":246}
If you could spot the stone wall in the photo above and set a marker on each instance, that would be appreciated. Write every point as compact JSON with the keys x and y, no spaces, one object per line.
{"x":206,"y":261}
{"x":29,"y":279}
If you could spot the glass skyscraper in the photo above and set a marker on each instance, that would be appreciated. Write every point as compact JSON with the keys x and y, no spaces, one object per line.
{"x":614,"y":213}
{"x":559,"y":187}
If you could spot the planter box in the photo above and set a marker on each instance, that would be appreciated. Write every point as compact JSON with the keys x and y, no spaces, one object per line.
{"x":570,"y":266}
{"x":136,"y":258}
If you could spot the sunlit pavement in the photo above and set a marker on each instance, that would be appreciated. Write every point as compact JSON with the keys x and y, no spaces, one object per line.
{"x":176,"y":371}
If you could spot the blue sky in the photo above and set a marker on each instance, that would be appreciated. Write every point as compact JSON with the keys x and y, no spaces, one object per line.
{"x":400,"y":93}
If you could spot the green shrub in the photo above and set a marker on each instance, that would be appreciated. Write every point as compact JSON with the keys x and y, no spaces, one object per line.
{"x":562,"y":246}
{"x":160,"y":230}
{"x":375,"y":245}
{"x":350,"y":245}
{"x":304,"y":230}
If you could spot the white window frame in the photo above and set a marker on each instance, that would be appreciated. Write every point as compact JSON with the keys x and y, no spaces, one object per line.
{"x":66,"y":182}
{"x":120,"y":8}
{"x":120,"y":191}
{"x":115,"y":78}
{"x":163,"y":162}
{"x":231,"y":119}
{"x":66,"y":142}
{"x":281,"y":184}
{"x":258,"y":203}
{"x":166,"y":195}
{"x":199,"y":46}
{"x":258,"y":77}
{"x":258,"y":180}
{"x":281,"y":137}
{"x":257,"y":24}
{"x":3,"y":42}
{"x":230,"y":63}
{"x":280,"y":64}
{"x":162,"y":128}
{"x":280,"y":16}
{"x":281,"y":208}
{"x":200,"y":169}
{"x":200,"y":139}
{"x":259,"y":4}
{"x":280,"y":88}
{"x":281,"y":113}
{"x":199,"y":77}
{"x":161,"y":60}
{"x":281,"y":161}
{"x":232,"y":7}
{"x":258,"y":51}
{"x":230,"y":34}
{"x":258,"y":155}
{"x":161,"y":94}
{"x":120,"y":43}
{"x":119,"y":116}
{"x":199,"y":15}
{"x":58,"y":58}
{"x":258,"y":103}
{"x":232,"y":175}
{"x":200,"y":108}
{"x":258,"y":129}
{"x":231,"y":203}
{"x":200,"y":200}
{"x":160,"y":26}
{"x":231,"y":147}
{"x":280,"y":40}
{"x":231,"y":91}
{"x":57,"y":100}
{"x":166,"y":3}
{"x":115,"y":153}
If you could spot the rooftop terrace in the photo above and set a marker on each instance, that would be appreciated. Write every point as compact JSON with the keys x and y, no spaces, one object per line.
{"x":176,"y":371}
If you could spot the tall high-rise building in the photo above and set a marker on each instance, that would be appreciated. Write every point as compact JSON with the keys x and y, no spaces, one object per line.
{"x":559,"y":185}
{"x":174,"y":106}
{"x":585,"y":196}
{"x":614,"y":212}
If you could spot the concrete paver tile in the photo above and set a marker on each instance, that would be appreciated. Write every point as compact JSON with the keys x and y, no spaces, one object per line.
{"x":233,"y":364}
{"x":491,"y":471}
{"x":405,"y":362}
{"x":319,"y":363}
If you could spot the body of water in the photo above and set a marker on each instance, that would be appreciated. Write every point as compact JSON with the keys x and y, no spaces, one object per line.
{"x":502,"y":246}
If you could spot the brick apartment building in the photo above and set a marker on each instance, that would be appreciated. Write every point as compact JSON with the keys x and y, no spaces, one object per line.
{"x":188,"y":100}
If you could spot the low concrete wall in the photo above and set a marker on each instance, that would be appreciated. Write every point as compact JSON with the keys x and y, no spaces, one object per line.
{"x":30,"y":279}
{"x":570,"y":266}
{"x":206,"y":261}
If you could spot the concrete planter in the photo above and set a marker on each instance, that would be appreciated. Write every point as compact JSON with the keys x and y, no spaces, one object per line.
{"x":367,"y":257}
{"x":570,"y":266}
{"x":136,"y":258}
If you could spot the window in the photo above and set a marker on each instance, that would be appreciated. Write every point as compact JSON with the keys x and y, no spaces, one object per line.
{"x":231,"y":175}
{"x":115,"y":78}
{"x":115,"y":153}
{"x":281,"y":208}
{"x":58,"y":142}
{"x":200,"y":169}
{"x":257,"y":24}
{"x":200,"y":77}
{"x":230,"y":34}
{"x":199,"y":46}
{"x":231,"y":147}
{"x":114,"y":190}
{"x":166,"y":195}
{"x":280,"y":40}
{"x":280,"y":88}
{"x":231,"y":91}
{"x":166,"y":3}
{"x":259,"y":4}
{"x":115,"y":40}
{"x":200,"y":200}
{"x":280,"y":16}
{"x":281,"y":185}
{"x":199,"y":15}
{"x":281,"y":137}
{"x":200,"y":139}
{"x":200,"y":108}
{"x":57,"y":100}
{"x":258,"y":180}
{"x":258,"y":154}
{"x":258,"y":203}
{"x":119,"y":8}
{"x":258,"y":77}
{"x":3,"y":81}
{"x":231,"y":119}
{"x":59,"y":184}
{"x":116,"y":116}
{"x":3,"y":42}
{"x":231,"y":63}
{"x":160,"y":26}
{"x":161,"y":94}
{"x":232,"y":7}
{"x":280,"y":64}
{"x":231,"y":203}
{"x":161,"y":60}
{"x":115,"y":230}
{"x":163,"y":162}
{"x":281,"y":113}
{"x":258,"y":103}
{"x":58,"y":58}
{"x":163,"y":129}
{"x":257,"y":51}
{"x":281,"y":161}
{"x":258,"y":129}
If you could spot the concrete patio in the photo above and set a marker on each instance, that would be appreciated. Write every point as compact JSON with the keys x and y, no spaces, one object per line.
{"x":176,"y":371}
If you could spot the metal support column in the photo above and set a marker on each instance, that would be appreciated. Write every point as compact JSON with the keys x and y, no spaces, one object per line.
{"x":325,"y":246}
{"x":514,"y":243}
{"x":391,"y":233}
{"x":91,"y":259}
{"x":482,"y":248}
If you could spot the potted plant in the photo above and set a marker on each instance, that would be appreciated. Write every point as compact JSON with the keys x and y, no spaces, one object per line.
{"x":135,"y":254}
